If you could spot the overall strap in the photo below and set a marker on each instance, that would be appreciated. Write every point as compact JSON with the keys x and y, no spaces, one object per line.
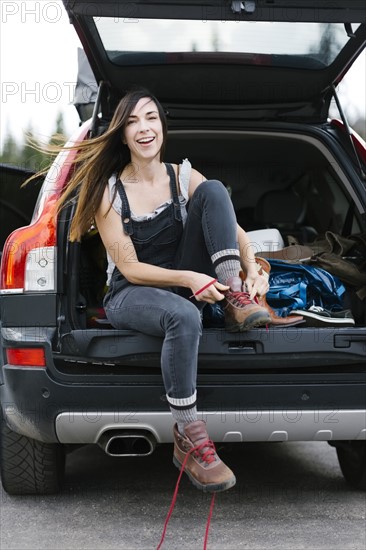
{"x":125,"y":211}
{"x":174,"y":192}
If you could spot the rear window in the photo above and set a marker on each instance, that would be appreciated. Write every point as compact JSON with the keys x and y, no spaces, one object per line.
{"x":158,"y":41}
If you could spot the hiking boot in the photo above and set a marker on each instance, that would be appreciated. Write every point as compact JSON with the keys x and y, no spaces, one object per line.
{"x":242,"y":313}
{"x":197,"y":453}
{"x":276,"y":320}
{"x":264,"y":268}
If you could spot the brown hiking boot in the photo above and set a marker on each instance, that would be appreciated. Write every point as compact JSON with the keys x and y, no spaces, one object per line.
{"x":264,"y":267}
{"x":198,"y":455}
{"x":242,"y":313}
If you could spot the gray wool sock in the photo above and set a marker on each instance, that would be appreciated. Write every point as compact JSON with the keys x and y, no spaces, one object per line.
{"x":183,"y":417}
{"x":184,"y":410}
{"x":226,"y":264}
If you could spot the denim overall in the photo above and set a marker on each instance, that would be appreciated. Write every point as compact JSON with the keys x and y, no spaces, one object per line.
{"x":168,"y":312}
{"x":156,"y":240}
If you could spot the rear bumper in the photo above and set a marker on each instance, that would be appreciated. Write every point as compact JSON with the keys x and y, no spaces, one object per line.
{"x":228,"y":426}
{"x":242,"y":400}
{"x":38,"y":406}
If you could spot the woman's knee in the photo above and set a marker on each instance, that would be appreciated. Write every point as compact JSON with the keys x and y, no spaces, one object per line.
{"x":212,"y":188}
{"x":185,"y":317}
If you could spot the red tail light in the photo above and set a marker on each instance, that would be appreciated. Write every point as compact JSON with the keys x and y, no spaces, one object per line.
{"x":26,"y":357}
{"x":20,"y":243}
{"x":28,"y":260}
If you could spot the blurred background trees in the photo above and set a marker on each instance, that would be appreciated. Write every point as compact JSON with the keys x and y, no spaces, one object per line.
{"x":24,"y":155}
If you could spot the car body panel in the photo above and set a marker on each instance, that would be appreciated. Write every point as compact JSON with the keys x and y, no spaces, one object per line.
{"x":16,"y":202}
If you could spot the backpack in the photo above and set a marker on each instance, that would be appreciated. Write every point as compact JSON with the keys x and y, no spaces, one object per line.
{"x":299,"y":286}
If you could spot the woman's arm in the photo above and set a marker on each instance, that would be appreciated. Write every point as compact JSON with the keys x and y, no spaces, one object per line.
{"x":257,"y":284}
{"x":122,"y":251}
{"x":195,"y":179}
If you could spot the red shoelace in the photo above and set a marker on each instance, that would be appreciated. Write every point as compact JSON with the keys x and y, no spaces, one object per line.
{"x":240,"y":298}
{"x":207,"y":456}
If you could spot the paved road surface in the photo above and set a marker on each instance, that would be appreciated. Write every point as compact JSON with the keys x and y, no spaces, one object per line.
{"x":288,"y":496}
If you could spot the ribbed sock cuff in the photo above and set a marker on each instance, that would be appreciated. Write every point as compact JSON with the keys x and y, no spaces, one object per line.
{"x":226,"y":264}
{"x":182,"y":403}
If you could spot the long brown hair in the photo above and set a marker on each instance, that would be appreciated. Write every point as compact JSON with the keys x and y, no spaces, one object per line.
{"x":98,"y":158}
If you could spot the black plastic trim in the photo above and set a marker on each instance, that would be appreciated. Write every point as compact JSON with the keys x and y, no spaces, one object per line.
{"x":28,"y":310}
{"x":33,"y":400}
{"x":281,"y":10}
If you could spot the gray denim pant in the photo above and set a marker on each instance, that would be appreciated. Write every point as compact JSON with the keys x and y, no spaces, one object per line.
{"x":170,"y":313}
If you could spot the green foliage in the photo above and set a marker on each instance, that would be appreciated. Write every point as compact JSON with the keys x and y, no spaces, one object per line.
{"x":10,"y":152}
{"x":30,"y":154}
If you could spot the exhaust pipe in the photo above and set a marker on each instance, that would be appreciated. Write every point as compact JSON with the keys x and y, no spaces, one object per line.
{"x":127,"y":443}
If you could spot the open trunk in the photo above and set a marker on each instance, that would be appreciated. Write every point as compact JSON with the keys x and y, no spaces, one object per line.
{"x":258,"y":166}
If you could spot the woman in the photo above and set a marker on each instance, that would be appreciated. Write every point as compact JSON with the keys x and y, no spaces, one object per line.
{"x":173,"y":245}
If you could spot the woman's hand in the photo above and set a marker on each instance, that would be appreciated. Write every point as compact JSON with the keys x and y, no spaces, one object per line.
{"x":256,"y":284}
{"x":206,"y":289}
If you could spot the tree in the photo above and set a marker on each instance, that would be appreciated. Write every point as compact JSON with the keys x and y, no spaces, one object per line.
{"x":60,"y":126}
{"x":32,"y":157}
{"x":329,"y":46}
{"x":10,"y":153}
{"x":28,"y":154}
{"x":58,"y":137}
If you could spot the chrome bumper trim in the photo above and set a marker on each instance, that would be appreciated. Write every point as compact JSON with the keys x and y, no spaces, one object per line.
{"x":225,"y":426}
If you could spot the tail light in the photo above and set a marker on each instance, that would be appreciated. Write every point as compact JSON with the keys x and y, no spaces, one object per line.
{"x":26,"y":251}
{"x":40,"y":269}
{"x":29,"y":257}
{"x":26,"y":357}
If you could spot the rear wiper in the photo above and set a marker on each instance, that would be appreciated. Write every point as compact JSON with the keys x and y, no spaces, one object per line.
{"x":247,"y":5}
{"x":349,"y":31}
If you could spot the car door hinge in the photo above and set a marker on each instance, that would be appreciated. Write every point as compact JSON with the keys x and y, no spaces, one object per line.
{"x":247,"y":5}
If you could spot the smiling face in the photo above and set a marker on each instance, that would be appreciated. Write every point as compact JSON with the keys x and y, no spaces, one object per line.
{"x":143,"y":133}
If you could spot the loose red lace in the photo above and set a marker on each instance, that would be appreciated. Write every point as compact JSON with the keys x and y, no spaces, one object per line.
{"x":207,"y":456}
